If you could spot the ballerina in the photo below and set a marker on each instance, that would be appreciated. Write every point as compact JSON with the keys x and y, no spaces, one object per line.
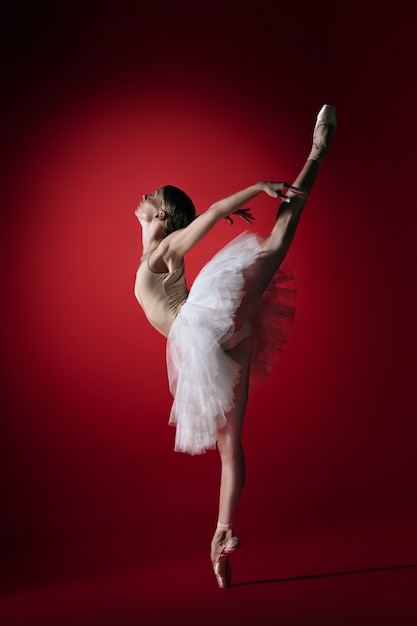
{"x":223,"y":334}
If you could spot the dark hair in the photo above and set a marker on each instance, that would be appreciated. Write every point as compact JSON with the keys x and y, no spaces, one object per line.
{"x":179,"y":208}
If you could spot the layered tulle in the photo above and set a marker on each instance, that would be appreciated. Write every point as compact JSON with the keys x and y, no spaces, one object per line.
{"x":202,"y":376}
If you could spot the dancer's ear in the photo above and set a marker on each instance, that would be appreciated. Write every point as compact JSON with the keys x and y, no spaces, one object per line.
{"x":161,"y":215}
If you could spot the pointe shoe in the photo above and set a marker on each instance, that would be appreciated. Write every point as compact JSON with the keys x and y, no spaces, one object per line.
{"x":323,"y":133}
{"x":221,"y":566}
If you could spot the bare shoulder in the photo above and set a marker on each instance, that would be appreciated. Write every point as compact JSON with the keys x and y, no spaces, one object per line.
{"x":165,"y":258}
{"x":182,"y":240}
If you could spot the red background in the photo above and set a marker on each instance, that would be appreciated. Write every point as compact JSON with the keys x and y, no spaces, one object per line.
{"x":105,"y":101}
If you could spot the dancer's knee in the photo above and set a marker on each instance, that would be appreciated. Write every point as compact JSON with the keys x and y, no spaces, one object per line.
{"x":229,"y":446}
{"x":282,"y":233}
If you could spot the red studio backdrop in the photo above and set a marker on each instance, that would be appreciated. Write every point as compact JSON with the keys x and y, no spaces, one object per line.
{"x":102,"y":103}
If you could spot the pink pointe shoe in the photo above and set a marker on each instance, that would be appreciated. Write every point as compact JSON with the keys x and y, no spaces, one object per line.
{"x":323,"y":133}
{"x":226,"y":547}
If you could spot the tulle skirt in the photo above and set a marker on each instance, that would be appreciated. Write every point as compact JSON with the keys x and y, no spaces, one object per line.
{"x":202,"y":376}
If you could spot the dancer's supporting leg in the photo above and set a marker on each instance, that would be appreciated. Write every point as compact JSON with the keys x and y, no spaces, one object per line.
{"x":274,"y":250}
{"x":232,"y":465}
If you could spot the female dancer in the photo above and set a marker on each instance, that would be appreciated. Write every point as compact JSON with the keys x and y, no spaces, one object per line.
{"x":216,"y":332}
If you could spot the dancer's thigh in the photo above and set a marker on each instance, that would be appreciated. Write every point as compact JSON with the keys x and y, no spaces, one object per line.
{"x":242,"y":354}
{"x":257,"y":278}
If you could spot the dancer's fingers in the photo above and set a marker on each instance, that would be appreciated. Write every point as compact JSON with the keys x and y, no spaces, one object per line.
{"x":283,"y":197}
{"x":295,"y":190}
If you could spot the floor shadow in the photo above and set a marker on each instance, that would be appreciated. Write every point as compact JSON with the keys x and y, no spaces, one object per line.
{"x":324,"y":575}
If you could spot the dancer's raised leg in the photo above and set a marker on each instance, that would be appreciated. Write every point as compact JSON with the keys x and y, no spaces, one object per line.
{"x":277,"y":244}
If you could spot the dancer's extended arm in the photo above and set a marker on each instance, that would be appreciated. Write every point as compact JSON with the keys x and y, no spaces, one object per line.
{"x":181,"y":241}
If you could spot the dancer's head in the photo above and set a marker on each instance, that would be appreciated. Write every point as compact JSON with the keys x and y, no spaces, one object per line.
{"x":178,"y":208}
{"x":168,"y":206}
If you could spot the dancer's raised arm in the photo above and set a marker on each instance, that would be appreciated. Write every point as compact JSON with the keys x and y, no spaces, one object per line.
{"x":181,"y":241}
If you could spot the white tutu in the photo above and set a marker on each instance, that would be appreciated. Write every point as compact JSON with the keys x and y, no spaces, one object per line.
{"x":202,"y":376}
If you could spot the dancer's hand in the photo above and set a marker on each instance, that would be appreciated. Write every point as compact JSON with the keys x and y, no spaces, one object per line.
{"x":279,"y":190}
{"x":244,"y":214}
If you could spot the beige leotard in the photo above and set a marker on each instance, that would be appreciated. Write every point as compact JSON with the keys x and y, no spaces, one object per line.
{"x":160,"y":295}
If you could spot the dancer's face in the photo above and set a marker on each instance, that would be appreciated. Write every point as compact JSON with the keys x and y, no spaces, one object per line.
{"x":150,"y":205}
